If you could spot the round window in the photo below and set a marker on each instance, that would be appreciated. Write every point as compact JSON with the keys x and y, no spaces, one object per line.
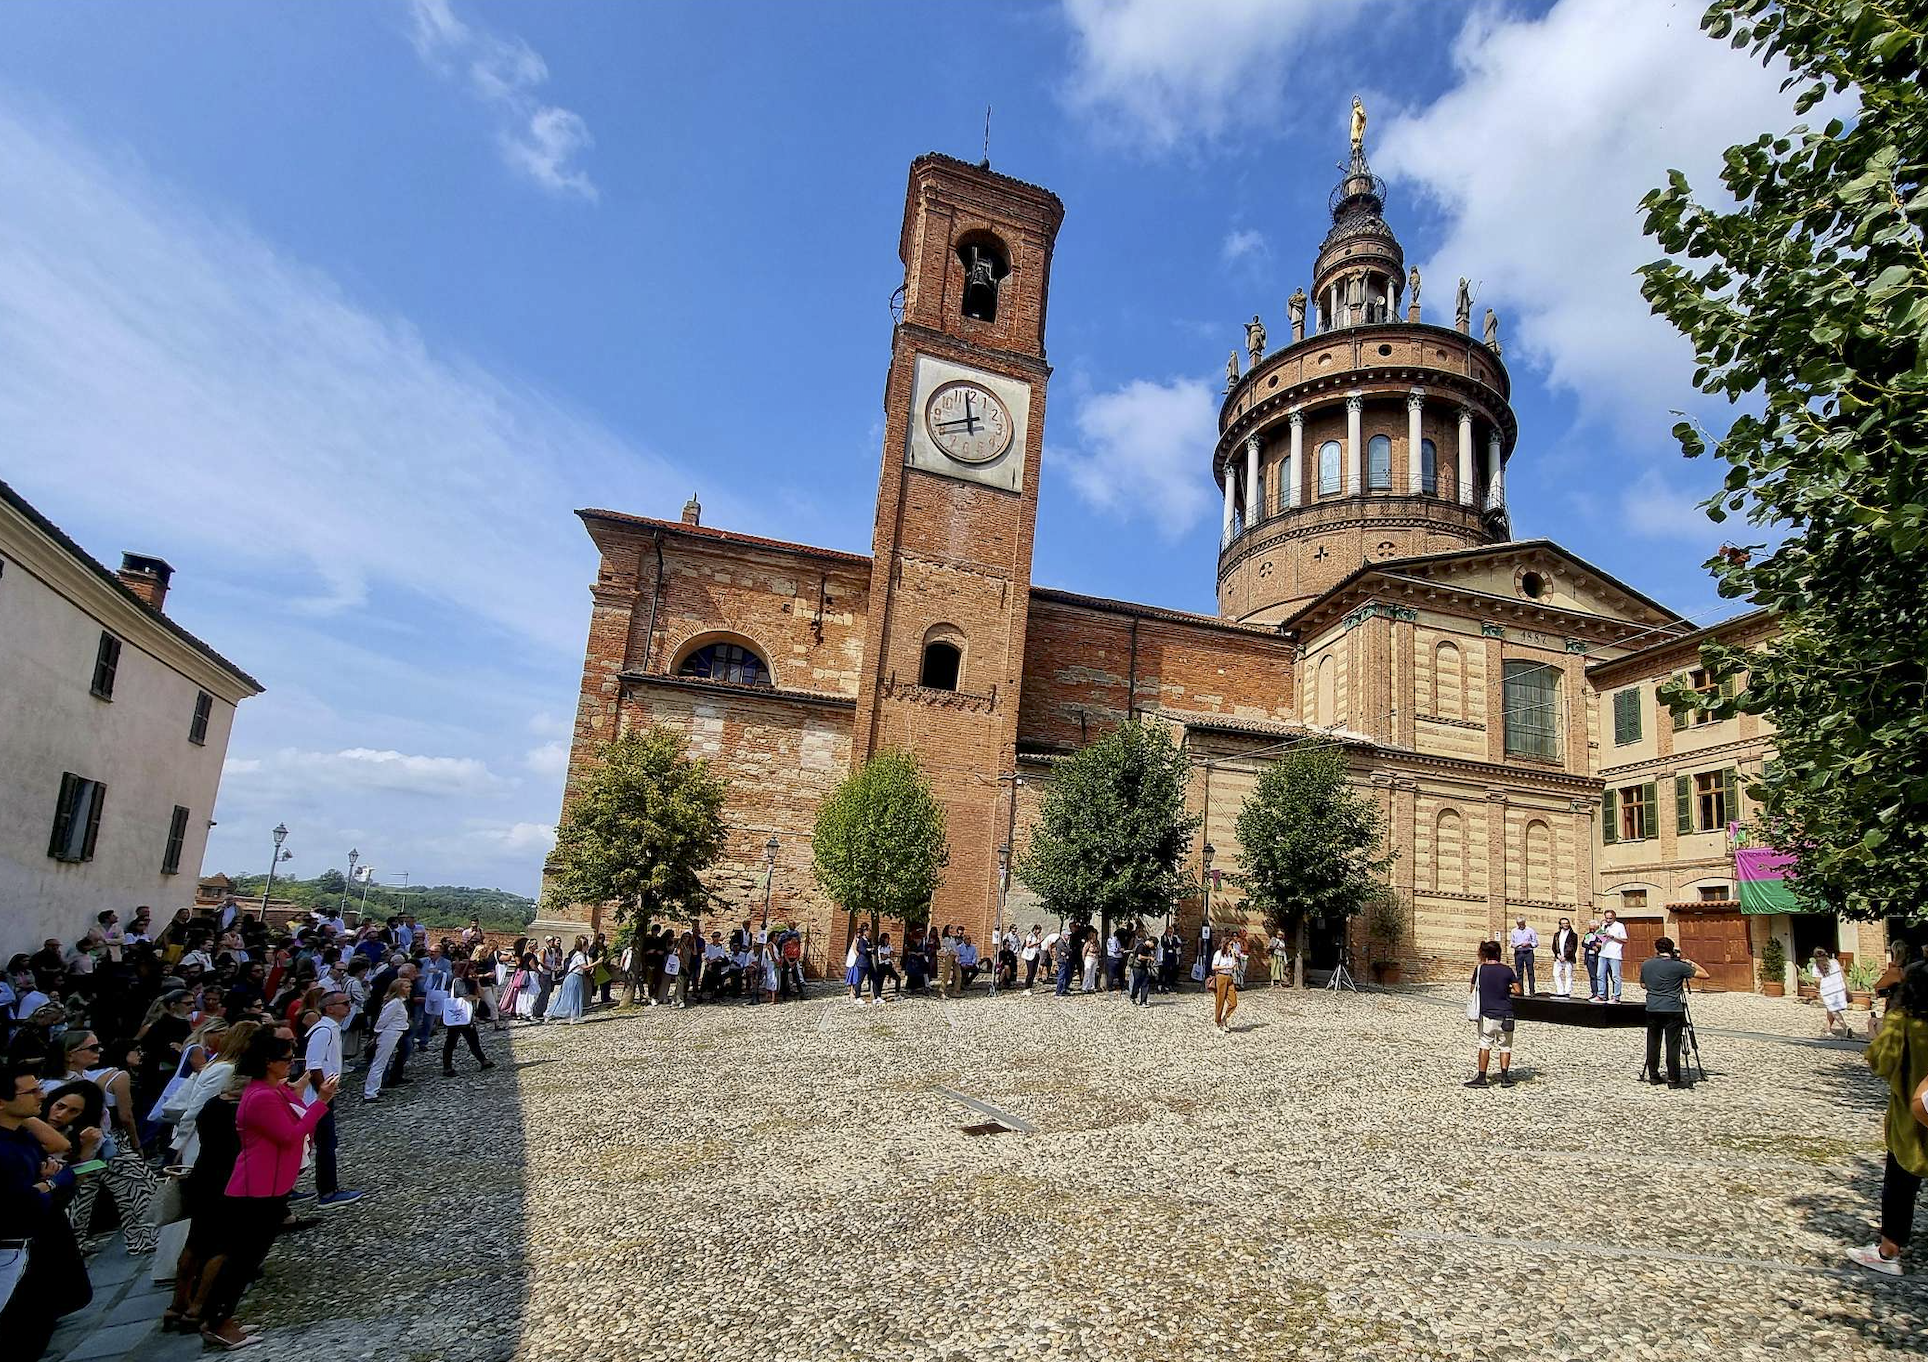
{"x":1385,"y":349}
{"x":1532,"y":585}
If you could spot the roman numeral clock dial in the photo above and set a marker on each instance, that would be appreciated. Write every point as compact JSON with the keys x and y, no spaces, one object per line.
{"x":968,"y":422}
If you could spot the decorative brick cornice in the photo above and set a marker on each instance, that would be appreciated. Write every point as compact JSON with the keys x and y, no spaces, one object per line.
{"x":939,"y":699}
{"x":727,"y":690}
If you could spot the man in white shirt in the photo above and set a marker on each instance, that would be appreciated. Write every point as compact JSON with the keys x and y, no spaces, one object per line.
{"x":1613,"y":947}
{"x":110,"y":934}
{"x":322,"y":1060}
{"x":1525,"y":941}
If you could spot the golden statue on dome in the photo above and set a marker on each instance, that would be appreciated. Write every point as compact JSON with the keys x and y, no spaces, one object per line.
{"x":1358,"y":130}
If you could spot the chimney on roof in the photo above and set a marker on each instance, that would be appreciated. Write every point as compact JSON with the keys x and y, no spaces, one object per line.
{"x":692,"y":511}
{"x":146,"y":577}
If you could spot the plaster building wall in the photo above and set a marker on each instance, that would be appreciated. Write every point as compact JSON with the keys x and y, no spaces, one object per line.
{"x":55,"y":603}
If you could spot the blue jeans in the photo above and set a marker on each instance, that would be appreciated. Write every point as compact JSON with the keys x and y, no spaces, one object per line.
{"x":1610,"y":979}
{"x":1141,"y":986}
{"x":1064,"y":976}
{"x":1593,"y":974}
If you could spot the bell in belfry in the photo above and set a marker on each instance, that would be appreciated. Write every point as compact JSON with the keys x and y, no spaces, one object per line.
{"x":980,"y":285}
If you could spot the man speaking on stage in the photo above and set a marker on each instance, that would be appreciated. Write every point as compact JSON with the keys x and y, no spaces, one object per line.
{"x":1665,"y":979}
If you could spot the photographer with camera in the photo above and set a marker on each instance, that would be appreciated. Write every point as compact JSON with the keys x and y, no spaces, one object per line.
{"x":1665,"y":979}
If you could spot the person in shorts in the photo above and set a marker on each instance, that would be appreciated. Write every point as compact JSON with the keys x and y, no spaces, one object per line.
{"x":1497,"y":985}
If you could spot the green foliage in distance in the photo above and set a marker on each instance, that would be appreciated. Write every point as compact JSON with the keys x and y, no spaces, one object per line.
{"x":1112,"y":828}
{"x":1313,"y":849}
{"x":1807,"y":305}
{"x":641,"y":831}
{"x":441,"y":905}
{"x":879,"y":848}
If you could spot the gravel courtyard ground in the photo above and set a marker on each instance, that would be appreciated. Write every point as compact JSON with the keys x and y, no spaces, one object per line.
{"x":795,"y":1182}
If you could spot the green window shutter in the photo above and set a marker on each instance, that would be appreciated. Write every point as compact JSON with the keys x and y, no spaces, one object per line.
{"x":1626,"y":716}
{"x":93,"y":821}
{"x":1680,"y":715}
{"x":1727,"y":688}
{"x":1730,"y":784}
{"x":1683,"y":803}
{"x":1649,"y":811}
{"x":1609,"y":819}
{"x":63,"y":816}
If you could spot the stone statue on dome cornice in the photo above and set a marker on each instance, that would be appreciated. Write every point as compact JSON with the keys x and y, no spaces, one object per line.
{"x":1295,"y":309}
{"x":1492,"y":331}
{"x":1463,"y":308}
{"x":1255,"y":339}
{"x":1231,"y":371}
{"x":1412,"y":284}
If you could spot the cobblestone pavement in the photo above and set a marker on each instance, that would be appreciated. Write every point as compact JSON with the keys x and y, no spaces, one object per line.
{"x":795,"y":1183}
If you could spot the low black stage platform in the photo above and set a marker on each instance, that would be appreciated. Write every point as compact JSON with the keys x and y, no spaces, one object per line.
{"x":1544,"y":1007}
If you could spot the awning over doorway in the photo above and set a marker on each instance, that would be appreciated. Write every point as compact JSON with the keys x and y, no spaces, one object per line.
{"x":1761,"y":873}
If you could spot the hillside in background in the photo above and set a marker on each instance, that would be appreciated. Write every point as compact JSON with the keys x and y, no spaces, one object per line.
{"x":440,"y":905}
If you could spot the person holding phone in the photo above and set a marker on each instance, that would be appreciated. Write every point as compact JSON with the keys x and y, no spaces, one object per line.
{"x":54,"y":1282}
{"x":273,"y":1126}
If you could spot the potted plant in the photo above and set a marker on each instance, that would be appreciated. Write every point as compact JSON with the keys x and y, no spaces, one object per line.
{"x":1861,"y":977}
{"x":1386,"y":924}
{"x":1773,"y":971}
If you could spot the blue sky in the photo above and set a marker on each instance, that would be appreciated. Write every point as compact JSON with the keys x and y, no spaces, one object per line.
{"x":344,"y":308}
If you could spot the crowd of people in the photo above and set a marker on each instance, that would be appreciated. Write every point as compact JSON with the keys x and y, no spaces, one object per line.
{"x":188,"y":1074}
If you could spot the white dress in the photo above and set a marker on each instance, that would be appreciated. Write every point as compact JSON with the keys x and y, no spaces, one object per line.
{"x":1834,"y":988}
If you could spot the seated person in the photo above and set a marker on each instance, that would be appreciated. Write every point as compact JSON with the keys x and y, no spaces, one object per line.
{"x":967,"y":965}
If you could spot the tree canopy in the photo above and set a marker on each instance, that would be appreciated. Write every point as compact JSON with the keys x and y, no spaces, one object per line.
{"x":641,"y":831}
{"x":1311,"y":848}
{"x":438,"y":905}
{"x":1807,"y":305}
{"x":1112,"y":827}
{"x":879,"y":848}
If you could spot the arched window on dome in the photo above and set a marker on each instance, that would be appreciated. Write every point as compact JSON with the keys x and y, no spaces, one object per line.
{"x":731,"y":662}
{"x":1379,"y":464}
{"x":1329,"y":468}
{"x":1429,"y":468}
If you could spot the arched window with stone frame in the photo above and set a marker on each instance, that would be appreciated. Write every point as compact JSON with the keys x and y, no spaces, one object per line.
{"x":941,"y":664}
{"x":727,"y":658}
{"x":1428,"y":468}
{"x":1329,"y":456}
{"x":1379,"y":464}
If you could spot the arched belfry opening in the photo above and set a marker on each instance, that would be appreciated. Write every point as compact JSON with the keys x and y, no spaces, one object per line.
{"x":986,"y":262}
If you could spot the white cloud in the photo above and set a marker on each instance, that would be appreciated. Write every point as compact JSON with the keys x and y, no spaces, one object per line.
{"x":204,"y":379}
{"x":1655,"y":506}
{"x":517,"y":838}
{"x":1145,"y":449}
{"x":1538,"y":158}
{"x":1167,"y":75}
{"x":551,"y":759}
{"x":1242,"y":243}
{"x":540,"y":140}
{"x":547,"y":725}
{"x":367,"y":770}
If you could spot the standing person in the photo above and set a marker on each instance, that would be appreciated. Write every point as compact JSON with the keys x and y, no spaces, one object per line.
{"x":1033,"y":947}
{"x":569,"y":1000}
{"x":1276,"y":954}
{"x":1590,"y":952}
{"x":1495,"y":986}
{"x":861,"y":962}
{"x":1613,"y":946}
{"x":1144,"y":968}
{"x":1226,"y":963}
{"x":390,"y":1023}
{"x":323,"y":1062}
{"x":599,"y":959}
{"x":883,"y":967}
{"x":1171,"y":949}
{"x":458,"y":1019}
{"x":548,"y":975}
{"x":1067,"y":963}
{"x":1115,"y":959}
{"x":1899,"y":1057}
{"x":1665,"y":978}
{"x":273,"y":1127}
{"x":1525,"y":941}
{"x":1828,"y":973}
{"x":54,"y":1280}
{"x":675,"y":976}
{"x":946,"y":964}
{"x":1566,"y":948}
{"x":1091,"y":963}
{"x":127,"y":1177}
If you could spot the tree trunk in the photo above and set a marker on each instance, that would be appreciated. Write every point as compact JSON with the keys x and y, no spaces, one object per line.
{"x":633,"y":980}
{"x":1298,"y":953}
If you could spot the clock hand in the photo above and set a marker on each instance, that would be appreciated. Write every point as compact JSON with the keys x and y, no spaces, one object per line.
{"x":964,"y":421}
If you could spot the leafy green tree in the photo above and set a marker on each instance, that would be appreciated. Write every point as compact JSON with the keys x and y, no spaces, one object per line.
{"x":331,"y":882}
{"x":879,"y":848}
{"x":643,"y":828}
{"x":1312,"y":848}
{"x":1112,"y":828}
{"x":439,"y":905}
{"x":1807,"y":304}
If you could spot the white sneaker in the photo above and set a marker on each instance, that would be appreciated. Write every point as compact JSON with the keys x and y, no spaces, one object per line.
{"x":1871,"y":1258}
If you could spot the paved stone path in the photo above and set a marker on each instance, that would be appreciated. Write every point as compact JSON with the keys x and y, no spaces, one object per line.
{"x":795,"y":1183}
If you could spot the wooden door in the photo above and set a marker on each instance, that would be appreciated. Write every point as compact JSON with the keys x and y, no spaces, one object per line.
{"x":1642,"y":932}
{"x":1717,"y":942}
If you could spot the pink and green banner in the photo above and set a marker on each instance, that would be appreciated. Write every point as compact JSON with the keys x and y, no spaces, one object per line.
{"x":1762,"y":874}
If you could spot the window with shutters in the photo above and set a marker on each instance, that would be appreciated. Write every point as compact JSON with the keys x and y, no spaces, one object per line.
{"x":1629,"y":813}
{"x":1530,"y":695}
{"x":76,"y":818}
{"x":176,"y":835}
{"x":197,"y":729}
{"x":1701,"y":683}
{"x":1329,"y":468}
{"x":1379,"y":463}
{"x":106,"y":663}
{"x":1713,"y":800}
{"x":1626,"y":716}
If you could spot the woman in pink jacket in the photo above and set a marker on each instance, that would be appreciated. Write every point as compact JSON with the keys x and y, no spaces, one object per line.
{"x":273,"y":1126}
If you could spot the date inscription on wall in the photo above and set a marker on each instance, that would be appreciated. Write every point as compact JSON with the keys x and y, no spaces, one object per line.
{"x":1537,"y":640}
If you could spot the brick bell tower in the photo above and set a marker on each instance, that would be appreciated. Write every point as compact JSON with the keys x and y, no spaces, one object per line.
{"x":957,"y":504}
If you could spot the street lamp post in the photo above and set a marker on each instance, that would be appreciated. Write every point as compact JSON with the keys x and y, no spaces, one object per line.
{"x":1016,"y":782}
{"x":280,"y":836}
{"x":353,"y":856}
{"x":769,"y":880}
{"x":1205,"y":930}
{"x":368,"y":877}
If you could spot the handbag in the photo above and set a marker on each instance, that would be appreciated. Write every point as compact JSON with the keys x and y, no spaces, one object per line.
{"x":1472,"y":999}
{"x":457,"y":1011}
{"x":167,"y":1249}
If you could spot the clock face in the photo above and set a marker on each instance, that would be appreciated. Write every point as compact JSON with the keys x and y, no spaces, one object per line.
{"x":968,"y":422}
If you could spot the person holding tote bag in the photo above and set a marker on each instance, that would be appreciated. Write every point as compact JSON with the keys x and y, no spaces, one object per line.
{"x":458,"y":1019}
